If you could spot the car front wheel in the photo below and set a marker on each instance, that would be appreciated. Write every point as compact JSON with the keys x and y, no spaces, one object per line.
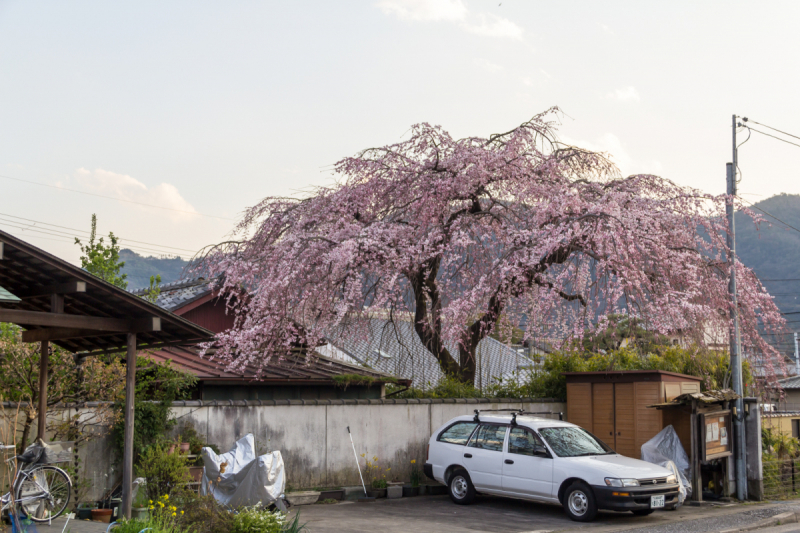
{"x":579,"y":502}
{"x":460,"y":487}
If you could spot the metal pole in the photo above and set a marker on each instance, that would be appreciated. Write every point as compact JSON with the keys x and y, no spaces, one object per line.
{"x":736,"y":355}
{"x":127,"y":454}
{"x":796,"y":354}
{"x":357,"y":465}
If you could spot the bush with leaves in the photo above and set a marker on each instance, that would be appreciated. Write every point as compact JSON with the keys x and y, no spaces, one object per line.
{"x":157,"y":386}
{"x":163,"y":471}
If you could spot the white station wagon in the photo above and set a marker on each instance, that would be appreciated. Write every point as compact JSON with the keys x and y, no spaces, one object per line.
{"x":522,"y":456}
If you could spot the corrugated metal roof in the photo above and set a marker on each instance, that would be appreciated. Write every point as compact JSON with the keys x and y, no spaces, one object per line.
{"x":287,"y":369}
{"x":395,"y":348}
{"x":177,"y":294}
{"x":7,"y":297}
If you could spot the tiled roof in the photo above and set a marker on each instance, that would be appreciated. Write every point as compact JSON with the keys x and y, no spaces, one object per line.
{"x":395,"y":348}
{"x":177,"y":294}
{"x":7,"y":297}
{"x":790,"y":383}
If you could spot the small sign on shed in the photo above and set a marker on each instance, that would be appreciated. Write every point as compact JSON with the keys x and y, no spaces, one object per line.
{"x":717,"y":435}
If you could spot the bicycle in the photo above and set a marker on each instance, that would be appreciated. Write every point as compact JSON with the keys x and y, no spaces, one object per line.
{"x":41,"y":492}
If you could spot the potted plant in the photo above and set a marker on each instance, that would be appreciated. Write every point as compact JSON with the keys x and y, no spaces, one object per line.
{"x":416,"y":476}
{"x":377,"y":477}
{"x":140,"y":506}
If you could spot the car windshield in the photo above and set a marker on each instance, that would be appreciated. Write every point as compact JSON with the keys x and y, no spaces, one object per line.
{"x":573,"y":442}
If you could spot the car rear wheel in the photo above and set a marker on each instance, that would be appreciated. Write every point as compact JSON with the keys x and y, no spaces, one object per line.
{"x":579,"y":502}
{"x":460,"y":487}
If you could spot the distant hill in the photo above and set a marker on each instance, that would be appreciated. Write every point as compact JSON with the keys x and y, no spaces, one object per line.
{"x":139,"y":268}
{"x":773,"y":250}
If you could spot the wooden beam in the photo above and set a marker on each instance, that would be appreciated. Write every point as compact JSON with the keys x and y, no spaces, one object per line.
{"x":62,"y":320}
{"x":71,"y":287}
{"x":127,"y":454}
{"x":62,"y":334}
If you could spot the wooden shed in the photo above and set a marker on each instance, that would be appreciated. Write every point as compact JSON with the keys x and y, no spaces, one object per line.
{"x":614,"y":405}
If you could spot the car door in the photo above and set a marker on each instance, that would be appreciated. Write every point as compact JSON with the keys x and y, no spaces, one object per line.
{"x":483,"y":456}
{"x":527,"y":466}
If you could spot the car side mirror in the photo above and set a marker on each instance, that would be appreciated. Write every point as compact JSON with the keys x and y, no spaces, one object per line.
{"x":540,"y":451}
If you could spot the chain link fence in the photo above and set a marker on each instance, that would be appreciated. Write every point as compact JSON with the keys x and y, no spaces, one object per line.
{"x":781,"y":478}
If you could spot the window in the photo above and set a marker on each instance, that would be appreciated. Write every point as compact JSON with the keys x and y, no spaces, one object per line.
{"x":458,"y":433}
{"x":489,"y":437}
{"x":568,"y":441}
{"x":796,"y":428}
{"x":522,"y":442}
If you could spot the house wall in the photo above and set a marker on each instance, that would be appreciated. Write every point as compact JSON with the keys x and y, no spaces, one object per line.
{"x":312,"y":434}
{"x":210,"y":315}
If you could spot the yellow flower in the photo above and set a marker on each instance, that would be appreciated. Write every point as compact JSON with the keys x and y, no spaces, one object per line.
{"x":413,"y":461}
{"x":151,"y":502}
{"x":173,"y":514}
{"x":181,"y":512}
{"x":166,"y":496}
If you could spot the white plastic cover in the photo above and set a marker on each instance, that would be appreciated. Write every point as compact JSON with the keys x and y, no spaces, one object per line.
{"x":246,"y":479}
{"x":665,"y":450}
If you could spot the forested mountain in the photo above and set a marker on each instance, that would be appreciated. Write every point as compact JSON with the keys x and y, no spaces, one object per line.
{"x":140,"y":268}
{"x":773,"y":249}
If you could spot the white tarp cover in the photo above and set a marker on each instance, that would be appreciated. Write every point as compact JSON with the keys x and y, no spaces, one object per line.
{"x":665,"y":450}
{"x":247,"y":479}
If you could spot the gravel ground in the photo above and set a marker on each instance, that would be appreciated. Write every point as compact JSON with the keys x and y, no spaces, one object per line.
{"x":717,"y":523}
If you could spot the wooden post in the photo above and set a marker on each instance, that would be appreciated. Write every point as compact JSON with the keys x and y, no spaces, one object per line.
{"x":56,"y":306}
{"x":43,"y":369}
{"x":698,"y":439}
{"x":127,"y":456}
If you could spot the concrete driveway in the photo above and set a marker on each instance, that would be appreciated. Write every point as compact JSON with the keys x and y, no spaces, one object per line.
{"x":438,"y":513}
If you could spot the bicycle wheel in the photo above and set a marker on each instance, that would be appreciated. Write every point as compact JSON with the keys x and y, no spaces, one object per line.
{"x":44,"y":493}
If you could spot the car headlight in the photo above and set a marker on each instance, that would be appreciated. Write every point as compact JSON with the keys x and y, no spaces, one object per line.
{"x":615,"y":482}
{"x":672,"y":479}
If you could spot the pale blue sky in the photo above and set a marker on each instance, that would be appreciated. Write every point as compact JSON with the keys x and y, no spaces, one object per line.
{"x":210,"y":106}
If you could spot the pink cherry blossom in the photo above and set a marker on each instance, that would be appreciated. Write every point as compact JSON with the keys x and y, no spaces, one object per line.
{"x":459,"y":232}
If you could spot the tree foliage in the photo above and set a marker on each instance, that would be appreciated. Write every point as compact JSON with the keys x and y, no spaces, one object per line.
{"x":459,"y":232}
{"x":102,"y":260}
{"x":67,"y":382}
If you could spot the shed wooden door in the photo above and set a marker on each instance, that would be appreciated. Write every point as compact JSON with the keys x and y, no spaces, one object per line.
{"x":648,"y":420}
{"x":603,"y":412}
{"x":579,"y":405}
{"x":625,"y":419}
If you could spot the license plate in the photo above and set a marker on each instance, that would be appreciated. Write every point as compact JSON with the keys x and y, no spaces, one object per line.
{"x":656,"y":501}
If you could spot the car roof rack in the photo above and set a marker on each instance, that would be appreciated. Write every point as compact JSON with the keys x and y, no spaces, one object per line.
{"x":514,"y":414}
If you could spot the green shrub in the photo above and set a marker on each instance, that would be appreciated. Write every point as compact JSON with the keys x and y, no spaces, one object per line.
{"x":163,"y":471}
{"x":256,"y":520}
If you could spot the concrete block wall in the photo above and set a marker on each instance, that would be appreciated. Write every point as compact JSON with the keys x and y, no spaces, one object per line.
{"x":311,"y":434}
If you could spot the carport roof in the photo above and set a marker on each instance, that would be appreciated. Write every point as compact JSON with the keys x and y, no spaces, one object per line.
{"x":96,"y":315}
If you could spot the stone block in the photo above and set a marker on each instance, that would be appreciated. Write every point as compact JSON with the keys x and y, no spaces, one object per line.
{"x":394,"y":492}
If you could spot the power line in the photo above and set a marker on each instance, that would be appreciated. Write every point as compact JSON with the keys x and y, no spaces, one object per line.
{"x":88,"y":233}
{"x":773,"y":136}
{"x":770,"y":215}
{"x":787,"y":279}
{"x":773,"y":129}
{"x":114,"y":198}
{"x":63,"y":237}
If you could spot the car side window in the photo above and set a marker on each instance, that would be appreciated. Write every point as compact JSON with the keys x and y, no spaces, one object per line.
{"x":489,"y":437}
{"x":523,"y":442}
{"x":458,"y":433}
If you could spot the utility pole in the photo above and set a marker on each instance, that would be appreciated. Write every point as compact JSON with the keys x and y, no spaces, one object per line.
{"x":740,"y":449}
{"x":796,"y":354}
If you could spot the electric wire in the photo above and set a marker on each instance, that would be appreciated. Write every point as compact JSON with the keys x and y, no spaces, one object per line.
{"x":64,"y":237}
{"x":773,"y":136}
{"x":88,"y":233}
{"x":770,"y":215}
{"x":115,"y":198}
{"x":773,"y":129}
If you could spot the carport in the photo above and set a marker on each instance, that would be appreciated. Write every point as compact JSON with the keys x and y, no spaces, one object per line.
{"x":55,"y":301}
